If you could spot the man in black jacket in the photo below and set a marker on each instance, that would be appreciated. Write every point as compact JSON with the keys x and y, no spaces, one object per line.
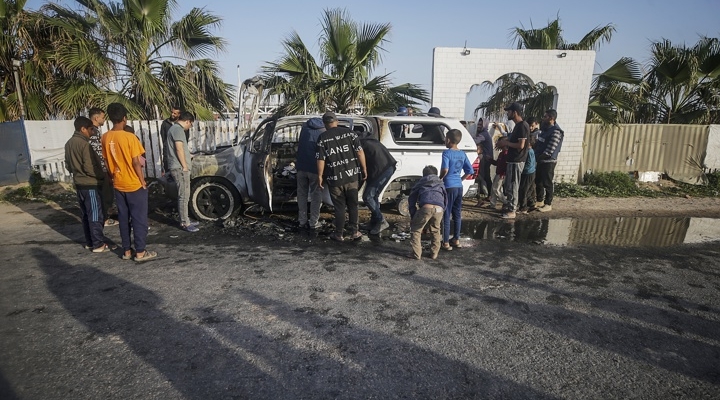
{"x":380,"y":168}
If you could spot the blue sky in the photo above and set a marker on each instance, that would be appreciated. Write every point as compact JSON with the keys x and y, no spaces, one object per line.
{"x":254,"y":29}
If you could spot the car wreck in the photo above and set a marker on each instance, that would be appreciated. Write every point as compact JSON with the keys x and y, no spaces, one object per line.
{"x":259,"y":169}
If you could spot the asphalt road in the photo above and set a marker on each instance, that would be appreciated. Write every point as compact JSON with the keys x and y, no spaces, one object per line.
{"x":261,"y":314}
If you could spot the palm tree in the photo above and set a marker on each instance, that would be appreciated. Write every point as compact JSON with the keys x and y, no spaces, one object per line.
{"x":550,"y":37}
{"x":19,"y":41}
{"x":515,"y":87}
{"x":615,"y":94}
{"x":342,"y":79}
{"x":683,"y":84}
{"x":156,"y":62}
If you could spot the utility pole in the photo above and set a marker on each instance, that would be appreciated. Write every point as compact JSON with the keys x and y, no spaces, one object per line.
{"x":16,"y":66}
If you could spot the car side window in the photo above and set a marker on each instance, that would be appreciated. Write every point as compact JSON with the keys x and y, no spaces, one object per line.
{"x":287,"y":134}
{"x":419,"y":134}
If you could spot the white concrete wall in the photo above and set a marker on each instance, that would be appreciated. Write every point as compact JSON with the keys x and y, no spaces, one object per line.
{"x":454,"y":74}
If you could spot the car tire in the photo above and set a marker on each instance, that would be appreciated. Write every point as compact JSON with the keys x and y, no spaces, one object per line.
{"x":212,"y":199}
{"x":403,"y":206}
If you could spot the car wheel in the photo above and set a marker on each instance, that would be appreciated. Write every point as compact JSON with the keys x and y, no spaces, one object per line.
{"x":211,"y":200}
{"x":403,"y":206}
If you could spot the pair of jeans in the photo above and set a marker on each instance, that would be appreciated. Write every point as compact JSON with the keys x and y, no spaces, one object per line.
{"x":345,"y":197}
{"x":182,"y":179}
{"x":90,"y":201}
{"x":371,"y":194}
{"x":133,"y":210}
{"x":454,"y":212}
{"x":512,"y":184}
{"x":430,"y":216}
{"x":544,"y":186}
{"x":308,"y":190}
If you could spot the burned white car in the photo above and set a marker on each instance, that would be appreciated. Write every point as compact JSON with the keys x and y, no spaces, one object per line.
{"x":260,"y":168}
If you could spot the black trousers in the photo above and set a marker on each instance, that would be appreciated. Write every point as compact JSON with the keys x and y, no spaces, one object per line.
{"x":544,"y":182}
{"x":345,"y":197}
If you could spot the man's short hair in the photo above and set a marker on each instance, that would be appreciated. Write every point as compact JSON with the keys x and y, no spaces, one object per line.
{"x":95,"y":111}
{"x":83,"y":122}
{"x":552,"y":114}
{"x":186,"y":116}
{"x":531,"y":120}
{"x":116,"y":112}
{"x":329,"y":117}
{"x":175,"y":108}
{"x":454,"y":135}
{"x":430,"y":170}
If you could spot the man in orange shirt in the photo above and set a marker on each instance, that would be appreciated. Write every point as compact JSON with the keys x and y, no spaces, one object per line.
{"x":122,"y":151}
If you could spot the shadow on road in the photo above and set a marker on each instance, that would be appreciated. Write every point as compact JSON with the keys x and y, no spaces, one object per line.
{"x":659,"y":347}
{"x":216,"y":356}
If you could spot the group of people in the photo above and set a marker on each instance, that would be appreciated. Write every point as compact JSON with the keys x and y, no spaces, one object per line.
{"x":525,"y":166}
{"x":336,"y":156}
{"x":109,"y":168}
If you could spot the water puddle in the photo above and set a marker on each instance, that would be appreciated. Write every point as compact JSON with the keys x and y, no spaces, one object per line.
{"x":619,"y":231}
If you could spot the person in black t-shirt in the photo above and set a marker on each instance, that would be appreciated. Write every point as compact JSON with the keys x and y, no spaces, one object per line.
{"x":341,"y":164}
{"x":517,"y":154}
{"x":381,"y":167}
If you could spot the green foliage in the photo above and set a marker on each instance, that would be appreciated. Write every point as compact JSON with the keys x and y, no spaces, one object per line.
{"x":620,"y":184}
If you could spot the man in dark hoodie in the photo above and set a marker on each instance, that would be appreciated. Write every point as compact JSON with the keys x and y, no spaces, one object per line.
{"x":547,"y":148}
{"x":380,"y":167}
{"x":429,"y":193}
{"x":88,"y":177}
{"x":307,"y":173}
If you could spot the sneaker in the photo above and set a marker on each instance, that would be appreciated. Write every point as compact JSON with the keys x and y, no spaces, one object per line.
{"x":509,"y":215}
{"x":545,"y":208}
{"x":194,"y":223}
{"x":336,"y":237}
{"x":190,"y":228}
{"x":446,"y":246}
{"x":383,"y":225}
{"x":357,"y":235}
{"x":523,"y":210}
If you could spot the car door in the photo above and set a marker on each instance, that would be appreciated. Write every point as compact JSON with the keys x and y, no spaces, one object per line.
{"x":256,"y":164}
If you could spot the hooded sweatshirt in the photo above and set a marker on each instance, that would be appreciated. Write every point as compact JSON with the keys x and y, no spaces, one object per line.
{"x":306,"y":154}
{"x":429,"y":189}
{"x":484,"y":139}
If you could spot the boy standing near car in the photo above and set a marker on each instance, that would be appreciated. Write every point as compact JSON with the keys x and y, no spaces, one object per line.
{"x":88,"y":178}
{"x":429,"y":193}
{"x":341,"y":165}
{"x":454,"y":163}
{"x":122,"y":151}
{"x":179,"y":163}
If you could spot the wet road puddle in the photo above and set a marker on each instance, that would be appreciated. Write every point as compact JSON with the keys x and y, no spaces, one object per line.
{"x":617,"y":231}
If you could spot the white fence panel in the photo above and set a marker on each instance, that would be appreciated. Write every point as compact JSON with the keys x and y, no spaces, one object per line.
{"x":46,"y":140}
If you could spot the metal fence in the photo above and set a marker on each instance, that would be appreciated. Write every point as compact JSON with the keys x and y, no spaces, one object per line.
{"x":676,"y":150}
{"x":49,"y":161}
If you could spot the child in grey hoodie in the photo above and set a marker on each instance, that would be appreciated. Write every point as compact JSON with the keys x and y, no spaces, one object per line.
{"x":429,"y":193}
